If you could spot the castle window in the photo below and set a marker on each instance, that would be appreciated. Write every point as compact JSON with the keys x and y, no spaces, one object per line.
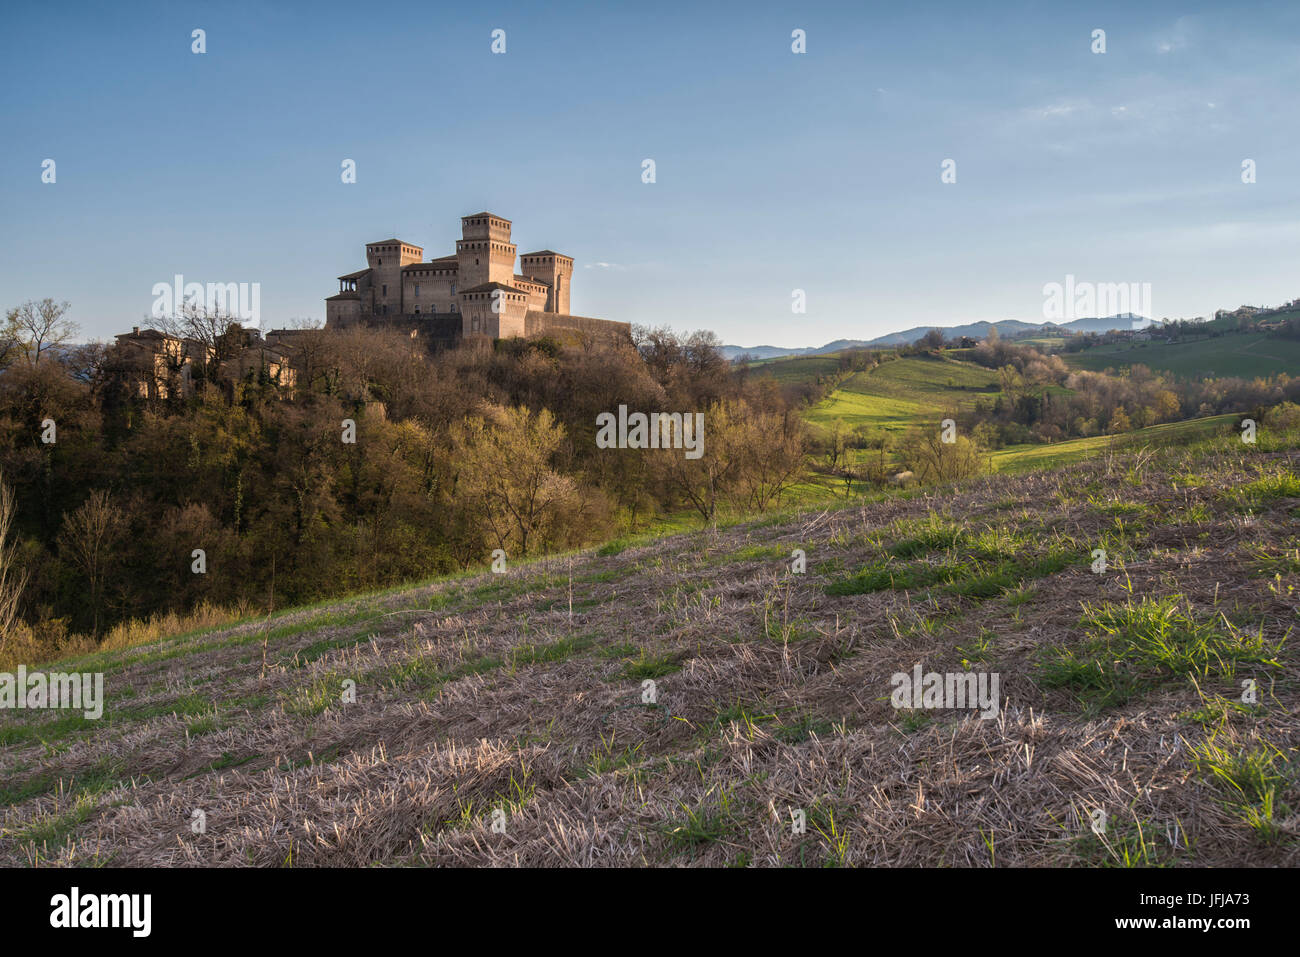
{"x":385,"y":288}
{"x":417,"y":289}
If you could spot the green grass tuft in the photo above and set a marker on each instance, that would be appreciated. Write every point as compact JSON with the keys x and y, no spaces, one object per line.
{"x":1134,"y":648}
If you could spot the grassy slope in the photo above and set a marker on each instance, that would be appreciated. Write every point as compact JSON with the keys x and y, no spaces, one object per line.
{"x":893,"y":396}
{"x":1243,"y":354}
{"x":897,"y":393}
{"x":901,"y":392}
{"x":524,"y":692}
{"x":797,"y":369}
{"x":1020,"y":458}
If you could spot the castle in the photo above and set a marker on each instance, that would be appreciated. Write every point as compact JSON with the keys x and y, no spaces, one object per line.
{"x":474,"y":293}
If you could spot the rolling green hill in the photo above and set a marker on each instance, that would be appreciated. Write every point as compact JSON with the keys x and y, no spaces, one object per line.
{"x":797,"y":369}
{"x":899,"y":392}
{"x":902,"y":392}
{"x":1023,"y":458}
{"x":1243,"y":354}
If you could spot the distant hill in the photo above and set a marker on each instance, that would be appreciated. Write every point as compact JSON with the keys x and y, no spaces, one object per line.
{"x":1243,"y":354}
{"x":1007,"y":328}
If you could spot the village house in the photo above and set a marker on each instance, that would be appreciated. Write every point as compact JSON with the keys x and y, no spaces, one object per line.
{"x":159,"y":365}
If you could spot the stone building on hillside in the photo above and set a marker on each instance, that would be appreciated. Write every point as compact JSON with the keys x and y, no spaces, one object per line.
{"x":158,"y":365}
{"x":474,"y":293}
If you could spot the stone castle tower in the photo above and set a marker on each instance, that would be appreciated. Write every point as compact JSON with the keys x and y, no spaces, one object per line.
{"x":473,"y":293}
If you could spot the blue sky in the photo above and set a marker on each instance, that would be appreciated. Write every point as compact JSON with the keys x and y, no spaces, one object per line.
{"x":775,"y":171}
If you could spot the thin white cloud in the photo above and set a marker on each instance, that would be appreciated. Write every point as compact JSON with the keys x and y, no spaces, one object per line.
{"x":1055,"y":109}
{"x":1178,"y":37}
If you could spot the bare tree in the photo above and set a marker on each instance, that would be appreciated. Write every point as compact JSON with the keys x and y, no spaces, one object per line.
{"x":882,"y":444}
{"x":88,"y":534}
{"x":86,"y":362}
{"x":311,"y":351}
{"x":933,"y":460}
{"x":12,"y":578}
{"x":836,"y":447}
{"x":38,"y":327}
{"x":217,"y":337}
{"x":702,"y":481}
{"x":9,"y":348}
{"x":773,"y":450}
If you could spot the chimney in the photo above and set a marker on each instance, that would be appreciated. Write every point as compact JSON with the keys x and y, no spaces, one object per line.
{"x":135,"y":330}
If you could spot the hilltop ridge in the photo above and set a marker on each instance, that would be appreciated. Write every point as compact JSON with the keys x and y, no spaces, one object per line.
{"x":975,"y":330}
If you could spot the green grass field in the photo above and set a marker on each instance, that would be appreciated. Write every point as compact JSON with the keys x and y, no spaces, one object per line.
{"x":1023,"y":458}
{"x":799,"y":368}
{"x":1244,"y":354}
{"x":902,"y":392}
{"x":897,"y":393}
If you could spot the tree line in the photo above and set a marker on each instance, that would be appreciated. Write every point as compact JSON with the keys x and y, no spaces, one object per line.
{"x":452,"y":454}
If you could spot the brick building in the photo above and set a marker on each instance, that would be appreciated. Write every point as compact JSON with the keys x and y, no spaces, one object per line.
{"x":474,"y":293}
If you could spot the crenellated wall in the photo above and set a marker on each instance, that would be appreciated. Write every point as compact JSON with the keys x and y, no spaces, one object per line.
{"x":452,"y":297}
